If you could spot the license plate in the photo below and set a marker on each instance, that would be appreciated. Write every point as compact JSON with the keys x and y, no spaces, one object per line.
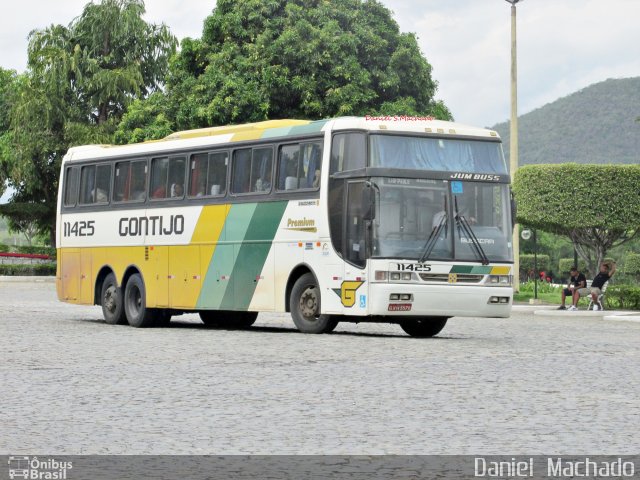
{"x":399,"y":307}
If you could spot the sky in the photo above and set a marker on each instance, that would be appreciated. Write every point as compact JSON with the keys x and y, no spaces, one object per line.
{"x":563,"y":45}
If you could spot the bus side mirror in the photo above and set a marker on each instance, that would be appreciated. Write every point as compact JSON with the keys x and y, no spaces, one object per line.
{"x":368,"y":203}
{"x":514,"y":212}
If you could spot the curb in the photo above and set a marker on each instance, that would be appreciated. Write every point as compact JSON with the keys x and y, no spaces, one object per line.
{"x":26,"y":279}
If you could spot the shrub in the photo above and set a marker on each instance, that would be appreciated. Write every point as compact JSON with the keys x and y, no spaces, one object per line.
{"x":43,"y":269}
{"x":632,"y":264}
{"x":565,"y":264}
{"x":4,"y":248}
{"x":623,"y":296}
{"x":526,"y":264}
{"x":36,"y":250}
{"x":543,"y":287}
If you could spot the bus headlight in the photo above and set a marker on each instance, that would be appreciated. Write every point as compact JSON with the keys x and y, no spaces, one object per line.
{"x":500,"y":280}
{"x":383,"y":276}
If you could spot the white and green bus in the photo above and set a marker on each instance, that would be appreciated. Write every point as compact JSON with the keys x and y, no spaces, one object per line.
{"x":390,"y":219}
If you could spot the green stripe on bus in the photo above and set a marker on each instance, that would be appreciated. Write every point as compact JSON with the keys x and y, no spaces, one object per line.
{"x":219,"y":277}
{"x":252,"y":254}
{"x":461,"y":269}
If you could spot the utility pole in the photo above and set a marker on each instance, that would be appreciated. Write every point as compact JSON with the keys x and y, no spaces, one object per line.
{"x":513,"y":139}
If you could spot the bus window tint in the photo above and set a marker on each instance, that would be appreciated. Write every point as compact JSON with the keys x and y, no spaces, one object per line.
{"x":103,"y":183}
{"x":348,"y":152}
{"x":87,"y":185}
{"x":94,"y":184}
{"x":131,"y":181}
{"x":159,"y":175}
{"x":176,"y":177}
{"x":71,"y":187}
{"x":199,"y":172}
{"x":217,"y":178}
{"x":299,"y":166}
{"x":261,"y":169}
{"x":241,"y":176}
{"x":288,"y":165}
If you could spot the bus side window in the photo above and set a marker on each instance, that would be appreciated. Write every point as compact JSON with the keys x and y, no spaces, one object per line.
{"x":103,"y":183}
{"x":288,"y":167}
{"x":70,"y":186}
{"x":176,"y":177}
{"x":130,"y":181}
{"x":88,"y":185}
{"x":241,"y":172}
{"x":217,"y":178}
{"x":261,"y":169}
{"x":348,"y":152}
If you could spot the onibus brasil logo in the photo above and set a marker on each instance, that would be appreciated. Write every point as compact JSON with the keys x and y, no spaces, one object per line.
{"x":37,"y":469}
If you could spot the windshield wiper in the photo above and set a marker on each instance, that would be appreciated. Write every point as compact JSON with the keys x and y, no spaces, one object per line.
{"x":461,"y":221}
{"x":433,"y":238}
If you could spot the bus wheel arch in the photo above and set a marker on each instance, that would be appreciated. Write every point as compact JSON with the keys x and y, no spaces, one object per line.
{"x":295,"y":274}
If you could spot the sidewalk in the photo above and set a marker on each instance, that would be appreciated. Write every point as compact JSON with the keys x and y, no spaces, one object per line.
{"x":552,"y":311}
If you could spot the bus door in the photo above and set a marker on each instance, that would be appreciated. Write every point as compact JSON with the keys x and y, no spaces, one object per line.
{"x":354,"y":288}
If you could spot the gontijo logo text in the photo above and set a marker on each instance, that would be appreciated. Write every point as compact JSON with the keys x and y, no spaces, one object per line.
{"x":38,"y":469}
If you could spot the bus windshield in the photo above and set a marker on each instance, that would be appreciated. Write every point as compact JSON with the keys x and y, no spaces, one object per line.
{"x":439,"y":154}
{"x":426,"y":220}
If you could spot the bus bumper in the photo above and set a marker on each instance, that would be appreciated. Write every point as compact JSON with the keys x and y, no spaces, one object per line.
{"x":439,"y":300}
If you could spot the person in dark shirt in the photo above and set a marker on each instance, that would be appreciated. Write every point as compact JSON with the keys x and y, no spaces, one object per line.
{"x":577,"y":280}
{"x":606,"y":272}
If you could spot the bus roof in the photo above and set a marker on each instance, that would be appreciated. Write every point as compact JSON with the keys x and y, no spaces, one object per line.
{"x":204,"y":137}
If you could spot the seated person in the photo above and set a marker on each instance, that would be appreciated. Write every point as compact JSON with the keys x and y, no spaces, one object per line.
{"x":160,"y":192}
{"x":576,"y":281}
{"x":606,"y":272}
{"x":177,"y":191}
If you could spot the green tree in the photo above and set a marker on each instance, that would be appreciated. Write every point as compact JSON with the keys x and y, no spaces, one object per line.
{"x":79,"y":82}
{"x":274,"y":59}
{"x":7,"y":80}
{"x":596,"y":206}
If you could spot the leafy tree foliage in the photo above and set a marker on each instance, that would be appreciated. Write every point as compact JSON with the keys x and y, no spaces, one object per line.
{"x":80,"y":80}
{"x":274,"y":59}
{"x":597,"y":206}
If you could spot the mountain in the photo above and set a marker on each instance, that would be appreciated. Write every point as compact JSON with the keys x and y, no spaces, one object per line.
{"x":594,"y":125}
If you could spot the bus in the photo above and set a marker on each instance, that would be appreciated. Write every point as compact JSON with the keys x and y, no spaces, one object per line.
{"x":371,"y":219}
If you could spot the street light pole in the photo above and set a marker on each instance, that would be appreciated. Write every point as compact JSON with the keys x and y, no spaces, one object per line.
{"x":513,"y":138}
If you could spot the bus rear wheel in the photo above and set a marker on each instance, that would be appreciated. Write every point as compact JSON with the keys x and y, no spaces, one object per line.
{"x":424,"y":327}
{"x":305,"y":307}
{"x":112,"y":302}
{"x":135,"y":304}
{"x":228,"y":319}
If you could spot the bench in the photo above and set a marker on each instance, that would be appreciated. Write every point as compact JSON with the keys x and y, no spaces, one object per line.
{"x":600,"y":297}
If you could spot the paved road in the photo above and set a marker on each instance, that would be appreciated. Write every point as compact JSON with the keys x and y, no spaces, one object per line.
{"x":72,"y":384}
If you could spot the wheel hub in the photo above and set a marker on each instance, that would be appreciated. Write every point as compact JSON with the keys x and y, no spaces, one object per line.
{"x":110,"y":299}
{"x":309,"y":303}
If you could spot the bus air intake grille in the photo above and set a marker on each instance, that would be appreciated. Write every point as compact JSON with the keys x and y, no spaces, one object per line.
{"x":445,"y":278}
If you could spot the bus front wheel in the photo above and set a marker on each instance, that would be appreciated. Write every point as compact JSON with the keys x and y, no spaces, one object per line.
{"x":135,"y":303}
{"x":305,"y":307}
{"x":112,"y":302}
{"x":424,"y":327}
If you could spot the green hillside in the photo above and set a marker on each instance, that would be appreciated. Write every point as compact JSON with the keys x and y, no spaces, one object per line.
{"x":594,"y":125}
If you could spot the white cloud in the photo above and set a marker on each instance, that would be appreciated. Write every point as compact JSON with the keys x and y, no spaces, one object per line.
{"x":562,"y":45}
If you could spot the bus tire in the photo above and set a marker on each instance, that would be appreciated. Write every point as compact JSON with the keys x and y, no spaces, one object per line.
{"x":135,"y":304}
{"x":424,"y":327}
{"x":228,"y":319}
{"x":305,"y":307}
{"x":112,"y":302}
